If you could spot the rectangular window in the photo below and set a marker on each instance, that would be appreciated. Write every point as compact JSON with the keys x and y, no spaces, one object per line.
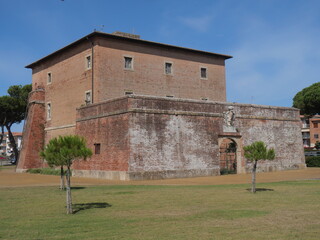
{"x":203,"y":73}
{"x":48,"y":111}
{"x":97,"y":147}
{"x":128,"y":92}
{"x":305,"y":135}
{"x":168,"y":68}
{"x":128,"y":63}
{"x":316,"y":135}
{"x":88,"y":62}
{"x":88,"y":98}
{"x":315,"y":125}
{"x":49,"y":78}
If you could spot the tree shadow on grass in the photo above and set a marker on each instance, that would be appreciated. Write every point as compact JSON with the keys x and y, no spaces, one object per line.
{"x":84,"y":206}
{"x":261,"y":189}
{"x":77,"y":188}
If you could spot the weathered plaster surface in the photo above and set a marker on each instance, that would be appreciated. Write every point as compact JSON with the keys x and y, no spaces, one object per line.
{"x":170,"y":143}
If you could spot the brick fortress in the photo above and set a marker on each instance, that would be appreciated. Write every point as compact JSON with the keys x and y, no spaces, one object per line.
{"x":150,"y":110}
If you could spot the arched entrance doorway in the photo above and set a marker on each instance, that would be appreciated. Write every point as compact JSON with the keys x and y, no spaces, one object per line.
{"x":228,"y":156}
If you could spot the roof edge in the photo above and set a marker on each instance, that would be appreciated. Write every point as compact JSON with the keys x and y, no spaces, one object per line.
{"x":102,"y":34}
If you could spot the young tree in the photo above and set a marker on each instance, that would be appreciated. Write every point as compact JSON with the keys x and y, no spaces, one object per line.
{"x":255,"y":152}
{"x":13,"y":110}
{"x":62,"y":151}
{"x":317,"y":145}
{"x":308,"y":100}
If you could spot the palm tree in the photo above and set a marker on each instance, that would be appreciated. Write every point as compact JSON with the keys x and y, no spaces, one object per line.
{"x":255,"y":152}
{"x":62,"y":151}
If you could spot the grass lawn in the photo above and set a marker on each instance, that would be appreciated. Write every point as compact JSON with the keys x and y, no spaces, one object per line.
{"x":285,"y":210}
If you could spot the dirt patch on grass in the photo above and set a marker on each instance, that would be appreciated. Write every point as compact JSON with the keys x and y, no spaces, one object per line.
{"x":9,"y":178}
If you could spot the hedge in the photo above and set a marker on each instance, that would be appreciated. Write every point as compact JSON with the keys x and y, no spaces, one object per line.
{"x":46,"y":171}
{"x":313,"y":161}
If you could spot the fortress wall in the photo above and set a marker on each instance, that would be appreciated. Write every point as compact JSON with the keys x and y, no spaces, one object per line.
{"x":169,"y":138}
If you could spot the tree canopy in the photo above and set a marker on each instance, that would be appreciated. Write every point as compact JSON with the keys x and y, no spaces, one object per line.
{"x":64,"y":149}
{"x":13,"y":110}
{"x":13,"y":106}
{"x":258,"y":151}
{"x":308,"y":100}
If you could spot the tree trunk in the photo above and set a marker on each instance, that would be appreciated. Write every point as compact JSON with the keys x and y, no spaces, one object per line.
{"x":13,"y":143}
{"x":1,"y":136}
{"x":254,"y":169}
{"x":2,"y":133}
{"x":61,"y":178}
{"x":69,"y":200}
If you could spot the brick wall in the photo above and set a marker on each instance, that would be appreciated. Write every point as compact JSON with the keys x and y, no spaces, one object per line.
{"x":148,"y":75}
{"x":105,"y":124}
{"x":33,"y":134}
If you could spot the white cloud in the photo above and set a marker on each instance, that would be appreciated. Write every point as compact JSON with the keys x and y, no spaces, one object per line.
{"x":270,"y":67}
{"x":200,"y":24}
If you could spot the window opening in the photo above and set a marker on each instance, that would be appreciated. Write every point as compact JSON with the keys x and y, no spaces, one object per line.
{"x":97,"y":147}
{"x":88,"y":62}
{"x":128,"y":62}
{"x":49,"y":78}
{"x":49,"y":111}
{"x":168,"y":68}
{"x":203,"y":72}
{"x":88,"y":99}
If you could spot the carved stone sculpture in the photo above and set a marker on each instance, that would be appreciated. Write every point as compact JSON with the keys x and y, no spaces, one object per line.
{"x":229,"y":117}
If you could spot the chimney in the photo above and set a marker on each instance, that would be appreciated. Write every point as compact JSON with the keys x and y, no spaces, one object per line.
{"x":127,"y":35}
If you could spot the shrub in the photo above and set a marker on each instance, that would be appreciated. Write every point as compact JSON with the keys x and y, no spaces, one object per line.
{"x":45,"y":171}
{"x":225,"y":171}
{"x":34,"y":170}
{"x":313,"y":161}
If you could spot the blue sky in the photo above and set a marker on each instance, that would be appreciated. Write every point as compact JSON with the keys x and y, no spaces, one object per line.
{"x":274,"y":43}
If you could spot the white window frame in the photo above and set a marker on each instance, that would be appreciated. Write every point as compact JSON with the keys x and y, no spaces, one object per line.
{"x":202,"y":67}
{"x":124,"y":62}
{"x":88,"y":62}
{"x":165,"y":68}
{"x":85,"y":96}
{"x":49,"y":110}
{"x":49,"y":78}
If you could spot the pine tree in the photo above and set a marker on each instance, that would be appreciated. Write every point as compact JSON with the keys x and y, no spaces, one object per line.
{"x":62,"y":151}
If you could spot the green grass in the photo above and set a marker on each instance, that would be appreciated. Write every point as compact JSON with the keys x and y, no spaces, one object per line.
{"x":7,"y":167}
{"x":286,"y":210}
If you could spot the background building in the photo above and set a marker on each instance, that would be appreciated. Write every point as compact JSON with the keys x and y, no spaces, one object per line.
{"x":310,"y":130}
{"x":6,"y":148}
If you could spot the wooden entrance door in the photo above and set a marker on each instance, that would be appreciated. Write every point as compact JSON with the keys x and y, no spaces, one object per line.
{"x":228,"y":157}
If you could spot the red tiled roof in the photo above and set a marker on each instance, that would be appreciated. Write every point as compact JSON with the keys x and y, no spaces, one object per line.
{"x":13,"y":133}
